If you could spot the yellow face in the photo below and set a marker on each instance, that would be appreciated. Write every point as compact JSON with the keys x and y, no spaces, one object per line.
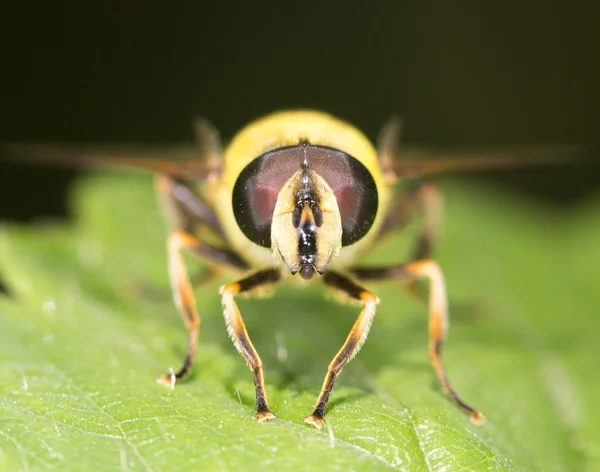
{"x":307,"y":227}
{"x":303,"y":188}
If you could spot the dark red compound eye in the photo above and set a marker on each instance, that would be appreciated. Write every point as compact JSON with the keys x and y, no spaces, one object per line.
{"x":257,"y":187}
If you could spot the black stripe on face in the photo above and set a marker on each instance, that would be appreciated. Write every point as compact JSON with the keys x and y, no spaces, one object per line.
{"x":307,"y":245}
{"x":307,"y":217}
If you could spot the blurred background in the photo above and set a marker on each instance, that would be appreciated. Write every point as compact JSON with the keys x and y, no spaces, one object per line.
{"x":493,"y":75}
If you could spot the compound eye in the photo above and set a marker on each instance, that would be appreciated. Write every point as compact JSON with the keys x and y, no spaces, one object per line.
{"x":254,"y":197}
{"x":354,"y":188}
{"x":256,"y":190}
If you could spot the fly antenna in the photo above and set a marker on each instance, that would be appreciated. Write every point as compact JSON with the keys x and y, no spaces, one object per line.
{"x":304,"y":144}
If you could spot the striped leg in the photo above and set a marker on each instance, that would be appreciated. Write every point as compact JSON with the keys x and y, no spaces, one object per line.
{"x":239,"y":335}
{"x":183,"y":208}
{"x":182,"y":291}
{"x":438,"y":316}
{"x":353,"y":343}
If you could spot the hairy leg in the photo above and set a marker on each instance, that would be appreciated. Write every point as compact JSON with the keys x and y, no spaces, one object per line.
{"x":239,"y":335}
{"x":355,"y":340}
{"x":438,"y":315}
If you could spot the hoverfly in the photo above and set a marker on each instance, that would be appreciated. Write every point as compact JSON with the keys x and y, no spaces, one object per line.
{"x":301,"y":195}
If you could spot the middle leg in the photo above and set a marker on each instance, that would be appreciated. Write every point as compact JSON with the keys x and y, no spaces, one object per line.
{"x":438,"y":315}
{"x":424,"y":198}
{"x":182,"y":291}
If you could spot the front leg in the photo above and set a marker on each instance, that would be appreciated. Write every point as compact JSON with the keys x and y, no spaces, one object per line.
{"x":355,"y":340}
{"x":239,"y":335}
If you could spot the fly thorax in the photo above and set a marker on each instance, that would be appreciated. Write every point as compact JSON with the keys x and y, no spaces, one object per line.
{"x":307,"y":228}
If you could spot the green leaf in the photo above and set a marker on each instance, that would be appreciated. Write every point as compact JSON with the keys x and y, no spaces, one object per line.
{"x":90,"y":324}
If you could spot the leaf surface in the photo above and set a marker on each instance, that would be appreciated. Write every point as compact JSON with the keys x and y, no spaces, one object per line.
{"x":90,"y":324}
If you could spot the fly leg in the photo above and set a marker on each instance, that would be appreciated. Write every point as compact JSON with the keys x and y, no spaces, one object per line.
{"x":438,"y":316}
{"x":355,"y":340}
{"x":182,"y":290}
{"x":239,"y":335}
{"x":423,"y":198}
{"x":187,"y":211}
{"x":184,"y":211}
{"x":184,"y":208}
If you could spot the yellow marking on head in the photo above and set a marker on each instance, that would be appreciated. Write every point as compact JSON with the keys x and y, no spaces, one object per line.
{"x":284,"y":234}
{"x":288,"y":128}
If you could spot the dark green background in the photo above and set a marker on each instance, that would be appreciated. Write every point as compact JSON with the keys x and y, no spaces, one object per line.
{"x":470,"y":74}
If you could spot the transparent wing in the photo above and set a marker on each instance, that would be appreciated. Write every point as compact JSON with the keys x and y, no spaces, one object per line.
{"x":409,"y":162}
{"x":420,"y":163}
{"x":193,"y":162}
